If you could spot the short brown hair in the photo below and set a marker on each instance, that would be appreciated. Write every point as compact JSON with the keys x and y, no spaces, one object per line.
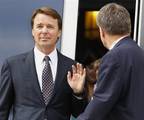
{"x":114,"y":19}
{"x":47,"y":11}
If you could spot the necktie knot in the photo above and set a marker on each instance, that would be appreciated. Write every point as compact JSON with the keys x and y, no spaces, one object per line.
{"x":46,"y":59}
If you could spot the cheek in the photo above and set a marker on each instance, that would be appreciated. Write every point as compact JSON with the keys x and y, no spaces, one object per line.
{"x":36,"y":35}
{"x":54,"y":34}
{"x":102,"y":40}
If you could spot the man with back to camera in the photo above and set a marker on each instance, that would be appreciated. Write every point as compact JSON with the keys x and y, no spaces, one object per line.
{"x":120,"y":86}
{"x":35,"y":83}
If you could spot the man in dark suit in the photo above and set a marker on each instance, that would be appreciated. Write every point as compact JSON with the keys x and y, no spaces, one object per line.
{"x":22,"y":76}
{"x":120,"y":86}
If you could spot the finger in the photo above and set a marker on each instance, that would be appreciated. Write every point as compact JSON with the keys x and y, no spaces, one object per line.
{"x":81,"y":69}
{"x":77,"y":67}
{"x":84,"y":72}
{"x":69,"y":76}
{"x":73,"y":69}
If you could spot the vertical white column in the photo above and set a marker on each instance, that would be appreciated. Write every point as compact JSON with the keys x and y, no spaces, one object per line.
{"x":70,"y":15}
{"x":136,"y":20}
{"x":141,"y":25}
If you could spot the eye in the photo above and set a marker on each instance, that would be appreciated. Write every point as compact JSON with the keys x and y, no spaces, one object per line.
{"x":39,"y":26}
{"x":50,"y":27}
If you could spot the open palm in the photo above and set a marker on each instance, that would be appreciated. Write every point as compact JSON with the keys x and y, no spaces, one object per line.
{"x":76,"y":78}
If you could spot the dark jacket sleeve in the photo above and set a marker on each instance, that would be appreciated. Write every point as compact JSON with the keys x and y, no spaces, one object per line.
{"x":108,"y":90}
{"x":78,"y":104}
{"x":6,"y":91}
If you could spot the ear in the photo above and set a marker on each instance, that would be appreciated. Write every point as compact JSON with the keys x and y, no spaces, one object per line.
{"x":102,"y":33}
{"x":59,"y":34}
{"x":32,"y":32}
{"x":103,"y":36}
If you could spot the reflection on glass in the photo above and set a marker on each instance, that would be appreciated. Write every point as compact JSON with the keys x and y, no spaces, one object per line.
{"x":91,"y":28}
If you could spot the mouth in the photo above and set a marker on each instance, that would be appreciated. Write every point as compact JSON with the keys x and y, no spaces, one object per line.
{"x":44,"y":38}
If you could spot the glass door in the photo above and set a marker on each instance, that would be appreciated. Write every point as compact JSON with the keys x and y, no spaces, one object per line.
{"x":88,"y":43}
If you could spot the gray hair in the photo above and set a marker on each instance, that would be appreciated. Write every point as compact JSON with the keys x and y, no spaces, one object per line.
{"x":114,"y":19}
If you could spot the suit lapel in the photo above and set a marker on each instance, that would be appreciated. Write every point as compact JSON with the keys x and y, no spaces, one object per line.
{"x":31,"y":72}
{"x":62,"y":68}
{"x":61,"y":73}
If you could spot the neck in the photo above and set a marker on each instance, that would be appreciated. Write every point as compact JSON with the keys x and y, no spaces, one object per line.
{"x":113,"y":38}
{"x":46,"y":50}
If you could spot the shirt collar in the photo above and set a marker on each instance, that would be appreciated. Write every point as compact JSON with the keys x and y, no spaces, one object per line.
{"x":39,"y":56}
{"x":53,"y":56}
{"x":116,"y":41}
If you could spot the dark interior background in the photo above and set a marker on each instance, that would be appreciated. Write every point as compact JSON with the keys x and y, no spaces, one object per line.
{"x":87,"y":50}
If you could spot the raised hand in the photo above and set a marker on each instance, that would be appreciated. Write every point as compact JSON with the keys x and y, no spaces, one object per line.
{"x":76,"y":78}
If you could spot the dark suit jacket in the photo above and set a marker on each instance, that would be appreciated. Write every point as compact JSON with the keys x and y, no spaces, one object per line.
{"x":120,"y":89}
{"x":19,"y":87}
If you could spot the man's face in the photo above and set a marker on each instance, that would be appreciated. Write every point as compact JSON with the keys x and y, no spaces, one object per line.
{"x":45,"y":31}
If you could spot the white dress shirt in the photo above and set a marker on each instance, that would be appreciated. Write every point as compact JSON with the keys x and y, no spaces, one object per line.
{"x":39,"y":63}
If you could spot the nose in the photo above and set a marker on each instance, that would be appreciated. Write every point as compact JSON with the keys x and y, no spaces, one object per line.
{"x":44,"y":29}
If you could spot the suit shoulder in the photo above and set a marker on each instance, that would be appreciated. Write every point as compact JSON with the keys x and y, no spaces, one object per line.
{"x":17,"y":58}
{"x":65,"y":58}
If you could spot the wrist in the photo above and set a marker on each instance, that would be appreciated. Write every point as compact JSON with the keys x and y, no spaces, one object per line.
{"x":78,"y":94}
